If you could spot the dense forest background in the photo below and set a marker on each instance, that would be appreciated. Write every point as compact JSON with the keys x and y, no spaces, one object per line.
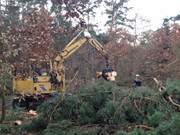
{"x":41,"y":28}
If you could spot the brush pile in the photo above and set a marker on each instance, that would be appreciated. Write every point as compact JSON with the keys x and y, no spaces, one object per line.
{"x":106,"y":109}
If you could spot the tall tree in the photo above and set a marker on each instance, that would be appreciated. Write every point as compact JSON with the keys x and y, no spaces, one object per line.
{"x":12,"y":10}
{"x":117,"y":13}
{"x":32,"y":39}
{"x":5,"y":68}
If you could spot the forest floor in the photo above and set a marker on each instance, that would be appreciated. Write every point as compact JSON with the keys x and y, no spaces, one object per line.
{"x":12,"y":116}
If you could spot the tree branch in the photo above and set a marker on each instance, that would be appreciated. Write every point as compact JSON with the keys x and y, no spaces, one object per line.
{"x":171,"y":100}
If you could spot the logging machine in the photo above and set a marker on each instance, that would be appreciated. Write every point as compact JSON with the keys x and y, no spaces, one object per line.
{"x":33,"y":90}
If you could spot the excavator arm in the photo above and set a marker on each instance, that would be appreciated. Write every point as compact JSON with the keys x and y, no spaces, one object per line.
{"x":100,"y":49}
{"x":58,"y":64}
{"x":75,"y":44}
{"x":70,"y":49}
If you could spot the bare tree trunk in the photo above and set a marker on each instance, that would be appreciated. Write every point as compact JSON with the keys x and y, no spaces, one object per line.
{"x":3,"y":107}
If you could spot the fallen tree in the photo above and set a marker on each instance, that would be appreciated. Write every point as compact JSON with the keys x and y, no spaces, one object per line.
{"x":162,"y":88}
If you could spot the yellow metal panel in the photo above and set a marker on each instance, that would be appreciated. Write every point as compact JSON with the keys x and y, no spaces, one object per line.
{"x":23,"y":86}
{"x":43,"y":78}
{"x":43,"y":87}
{"x":28,"y":87}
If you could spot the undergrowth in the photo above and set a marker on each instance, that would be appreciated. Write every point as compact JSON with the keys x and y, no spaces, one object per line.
{"x":103,"y":108}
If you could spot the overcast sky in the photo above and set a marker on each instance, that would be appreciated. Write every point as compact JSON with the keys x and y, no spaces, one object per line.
{"x":156,"y":10}
{"x":153,"y":10}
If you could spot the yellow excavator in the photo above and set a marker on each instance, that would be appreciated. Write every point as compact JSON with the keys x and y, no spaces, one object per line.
{"x":34,"y":89}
